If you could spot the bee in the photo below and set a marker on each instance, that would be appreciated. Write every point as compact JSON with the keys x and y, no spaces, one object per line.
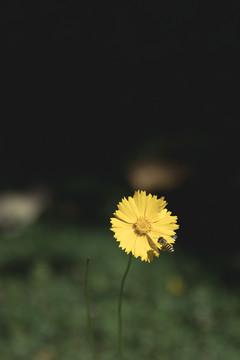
{"x":165,"y":245}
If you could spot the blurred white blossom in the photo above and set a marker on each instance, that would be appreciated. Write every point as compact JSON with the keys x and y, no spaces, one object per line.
{"x":20,"y":209}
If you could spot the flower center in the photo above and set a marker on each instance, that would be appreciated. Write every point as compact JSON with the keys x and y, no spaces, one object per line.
{"x":142,"y":226}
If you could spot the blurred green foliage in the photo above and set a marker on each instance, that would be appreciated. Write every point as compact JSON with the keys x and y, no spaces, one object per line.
{"x":174,"y":308}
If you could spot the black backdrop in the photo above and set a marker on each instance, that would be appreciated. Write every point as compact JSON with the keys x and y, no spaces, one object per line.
{"x":89,"y":85}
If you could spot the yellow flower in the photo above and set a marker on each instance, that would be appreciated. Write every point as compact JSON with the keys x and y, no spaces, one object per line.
{"x":140,"y":221}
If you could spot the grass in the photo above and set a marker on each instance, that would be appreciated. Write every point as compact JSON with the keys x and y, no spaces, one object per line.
{"x":174,"y":308}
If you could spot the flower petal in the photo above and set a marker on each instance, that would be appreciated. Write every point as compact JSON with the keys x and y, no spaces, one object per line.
{"x":151,"y":207}
{"x":117,"y":223}
{"x":122,"y":216}
{"x":161,"y":203}
{"x":140,"y":199}
{"x":134,"y":207}
{"x":138,"y":245}
{"x":126,"y":208}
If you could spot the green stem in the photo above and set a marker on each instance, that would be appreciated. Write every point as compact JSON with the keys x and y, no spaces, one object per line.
{"x":120,"y":309}
{"x":90,"y":332}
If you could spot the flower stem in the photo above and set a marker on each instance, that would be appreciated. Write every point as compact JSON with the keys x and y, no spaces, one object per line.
{"x":120,"y":309}
{"x":90,"y":332}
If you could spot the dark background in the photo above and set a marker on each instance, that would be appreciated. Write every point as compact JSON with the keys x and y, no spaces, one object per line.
{"x":91,"y":87}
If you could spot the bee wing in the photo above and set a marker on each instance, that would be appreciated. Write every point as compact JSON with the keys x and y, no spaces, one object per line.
{"x":162,"y":241}
{"x":174,"y":237}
